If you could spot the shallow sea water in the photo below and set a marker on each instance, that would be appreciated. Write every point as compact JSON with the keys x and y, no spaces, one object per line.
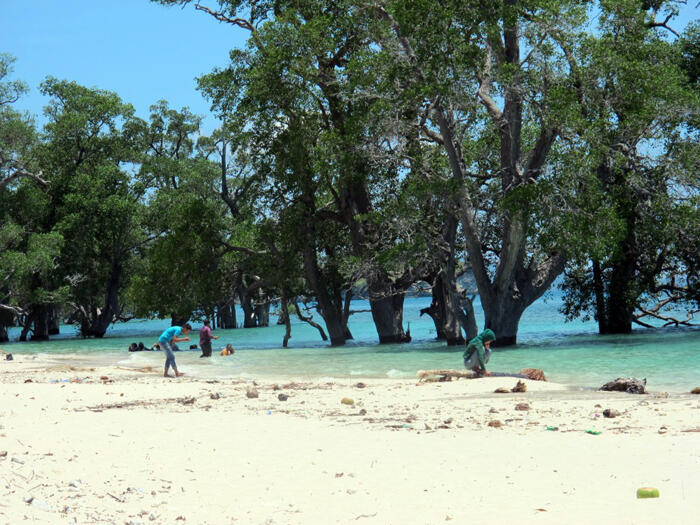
{"x":571,"y":353}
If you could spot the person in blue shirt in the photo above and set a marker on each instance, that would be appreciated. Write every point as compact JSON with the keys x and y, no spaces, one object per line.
{"x":166,"y":339}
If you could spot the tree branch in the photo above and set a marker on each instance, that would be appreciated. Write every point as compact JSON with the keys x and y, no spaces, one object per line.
{"x":22,"y":173}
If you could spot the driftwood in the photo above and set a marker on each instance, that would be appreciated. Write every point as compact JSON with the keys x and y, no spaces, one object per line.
{"x":430,"y":376}
{"x":444,"y":375}
{"x":630,"y":385}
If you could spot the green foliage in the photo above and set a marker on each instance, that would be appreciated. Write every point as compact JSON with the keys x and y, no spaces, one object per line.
{"x":638,"y":113}
{"x":88,"y":159}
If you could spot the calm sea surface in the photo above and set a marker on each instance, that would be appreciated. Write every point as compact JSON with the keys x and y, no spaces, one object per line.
{"x":571,"y":353}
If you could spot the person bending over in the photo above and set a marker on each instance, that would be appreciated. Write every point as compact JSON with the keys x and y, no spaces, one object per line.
{"x":478,"y":352}
{"x":167,"y":338}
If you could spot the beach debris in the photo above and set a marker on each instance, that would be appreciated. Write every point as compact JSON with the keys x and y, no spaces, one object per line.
{"x":282,"y":397}
{"x":41,"y":505}
{"x":251,"y":392}
{"x":695,"y":390}
{"x":276,"y":387}
{"x":522,"y":406}
{"x":611,"y":412}
{"x":28,"y":499}
{"x":363,"y":412}
{"x":553,"y":429}
{"x":347,"y":401}
{"x":495,"y":423}
{"x":431,"y":376}
{"x":28,"y":381}
{"x":501,"y":390}
{"x":663,"y":430}
{"x":519,"y":387}
{"x":3,"y":453}
{"x":536,"y":374}
{"x":647,"y":492}
{"x":8,"y":357}
{"x":186,"y":400}
{"x":360,"y":385}
{"x":448,"y":421}
{"x":214,"y":395}
{"x":630,"y":385}
{"x":18,"y":461}
{"x":593,"y":432}
{"x":493,"y":410}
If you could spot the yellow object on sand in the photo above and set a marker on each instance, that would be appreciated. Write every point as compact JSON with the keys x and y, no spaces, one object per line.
{"x":647,"y":492}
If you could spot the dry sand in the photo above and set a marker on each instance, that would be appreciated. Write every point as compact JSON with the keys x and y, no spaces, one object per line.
{"x":128,"y":446}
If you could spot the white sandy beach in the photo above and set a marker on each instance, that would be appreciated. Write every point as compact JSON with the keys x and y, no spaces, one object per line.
{"x":128,"y":446}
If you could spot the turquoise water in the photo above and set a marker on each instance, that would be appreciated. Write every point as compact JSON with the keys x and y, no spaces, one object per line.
{"x":571,"y":353}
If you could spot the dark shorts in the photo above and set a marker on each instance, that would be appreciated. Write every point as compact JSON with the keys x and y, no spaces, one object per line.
{"x":206,"y":348}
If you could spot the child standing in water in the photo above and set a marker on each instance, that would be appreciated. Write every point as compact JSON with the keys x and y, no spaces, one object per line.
{"x":170,"y":336}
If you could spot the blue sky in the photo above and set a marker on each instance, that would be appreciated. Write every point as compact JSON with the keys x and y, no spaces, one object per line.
{"x":142,"y":51}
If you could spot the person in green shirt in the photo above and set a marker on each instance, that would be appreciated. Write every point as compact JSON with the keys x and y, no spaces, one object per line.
{"x":478,"y":352}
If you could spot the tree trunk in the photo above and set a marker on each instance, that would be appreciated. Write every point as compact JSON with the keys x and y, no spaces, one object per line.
{"x":445,"y":310}
{"x":503,"y":317}
{"x":621,"y":296}
{"x":54,"y":321}
{"x":284,"y":316}
{"x":4,"y":337}
{"x":249,"y":319}
{"x":226,"y":316}
{"x":97,"y":322}
{"x":468,"y":318}
{"x":387,"y":312}
{"x":332,"y":313}
{"x":40,"y":319}
{"x":262,"y":313}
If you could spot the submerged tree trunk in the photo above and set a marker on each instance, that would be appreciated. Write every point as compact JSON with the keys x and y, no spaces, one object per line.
{"x":329,"y":309}
{"x":516,"y":281}
{"x":503,"y":316}
{"x":54,"y":321}
{"x":262,"y":313}
{"x":246,"y":300}
{"x":387,"y":312}
{"x":94,"y":321}
{"x":444,"y":310}
{"x":41,"y":323}
{"x":226,"y":316}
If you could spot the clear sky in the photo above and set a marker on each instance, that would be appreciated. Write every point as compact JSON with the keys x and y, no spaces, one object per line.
{"x":142,"y":51}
